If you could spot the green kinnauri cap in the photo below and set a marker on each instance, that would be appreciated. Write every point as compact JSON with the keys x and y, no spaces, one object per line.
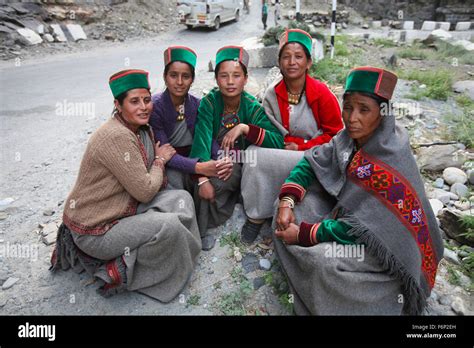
{"x":235,"y":53}
{"x":126,"y":80}
{"x":180,"y":54}
{"x":367,"y":79}
{"x":297,"y":35}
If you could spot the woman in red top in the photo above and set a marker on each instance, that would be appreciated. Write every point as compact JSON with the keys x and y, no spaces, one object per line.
{"x":305,"y":111}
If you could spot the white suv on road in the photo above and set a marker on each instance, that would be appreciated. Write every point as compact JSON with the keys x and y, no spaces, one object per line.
{"x":208,"y":13}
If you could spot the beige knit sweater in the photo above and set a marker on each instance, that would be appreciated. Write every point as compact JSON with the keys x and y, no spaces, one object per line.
{"x":112,"y":179}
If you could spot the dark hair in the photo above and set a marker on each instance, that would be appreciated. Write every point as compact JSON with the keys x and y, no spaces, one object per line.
{"x":216,"y":70}
{"x":306,"y":52}
{"x":167,"y":68}
{"x":378,"y":100}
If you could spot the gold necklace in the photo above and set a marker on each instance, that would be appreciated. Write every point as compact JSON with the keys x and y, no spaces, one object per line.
{"x":294,"y":98}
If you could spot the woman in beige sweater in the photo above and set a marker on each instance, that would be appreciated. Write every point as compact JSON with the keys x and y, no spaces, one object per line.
{"x":116,"y":224}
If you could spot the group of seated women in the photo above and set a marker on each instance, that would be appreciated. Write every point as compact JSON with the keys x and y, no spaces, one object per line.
{"x":164,"y":170}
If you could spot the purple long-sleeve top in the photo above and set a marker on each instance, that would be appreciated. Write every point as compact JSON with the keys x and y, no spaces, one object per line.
{"x":163,"y":123}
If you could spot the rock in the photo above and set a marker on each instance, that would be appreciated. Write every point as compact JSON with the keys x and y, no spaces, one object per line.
{"x":49,"y":212}
{"x":454,"y":175}
{"x":76,"y":32}
{"x":467,"y":45}
{"x":466,"y":86}
{"x":460,"y":190}
{"x":9,"y":283}
{"x":442,"y":195}
{"x":365,"y":26}
{"x":434,"y":295}
{"x":58,"y":33}
{"x":3,"y":215}
{"x":441,"y":34}
{"x":265,"y":264}
{"x":451,"y":256}
{"x":258,"y":283}
{"x":48,"y":38}
{"x":250,"y":263}
{"x":214,"y":260}
{"x":260,"y":56}
{"x":4,"y":203}
{"x":436,"y":205}
{"x":439,"y":183}
{"x":458,"y":306}
{"x":49,"y":228}
{"x":208,"y":242}
{"x":49,"y":239}
{"x":438,"y":157}
{"x":446,"y":300}
{"x":29,"y":37}
{"x":237,"y":254}
{"x":462,"y":205}
{"x":451,"y":225}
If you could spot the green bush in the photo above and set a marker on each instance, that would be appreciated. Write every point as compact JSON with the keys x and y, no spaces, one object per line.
{"x":438,"y":83}
{"x":413,"y":53}
{"x":461,"y":128}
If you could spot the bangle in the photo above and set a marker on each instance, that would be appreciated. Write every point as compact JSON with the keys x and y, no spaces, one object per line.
{"x":289,"y":200}
{"x":161,"y":158}
{"x":203,"y":182}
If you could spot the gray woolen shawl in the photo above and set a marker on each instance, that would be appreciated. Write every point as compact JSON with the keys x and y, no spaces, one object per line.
{"x":385,"y":232}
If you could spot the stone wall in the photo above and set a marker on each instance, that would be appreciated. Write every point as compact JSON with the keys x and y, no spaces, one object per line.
{"x":418,"y":11}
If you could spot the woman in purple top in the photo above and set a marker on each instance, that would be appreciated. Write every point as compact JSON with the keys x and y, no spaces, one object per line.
{"x":173,"y":120}
{"x":174,"y":117}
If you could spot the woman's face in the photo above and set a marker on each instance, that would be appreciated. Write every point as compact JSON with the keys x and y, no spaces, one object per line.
{"x":361,"y":115}
{"x":293,"y":61}
{"x":137,"y":106}
{"x":178,"y":79}
{"x":231,"y":78}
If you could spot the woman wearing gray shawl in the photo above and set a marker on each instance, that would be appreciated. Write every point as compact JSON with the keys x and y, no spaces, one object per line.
{"x":375,"y":246}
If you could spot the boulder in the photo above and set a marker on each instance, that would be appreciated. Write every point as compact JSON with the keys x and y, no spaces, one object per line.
{"x":441,"y":34}
{"x":450,"y":222}
{"x":437,"y":157}
{"x":452,"y":175}
{"x":436,"y":205}
{"x":58,"y":33}
{"x":260,"y":56}
{"x":460,"y":190}
{"x":467,"y":45}
{"x":466,"y":86}
{"x":76,"y":32}
{"x":29,"y":37}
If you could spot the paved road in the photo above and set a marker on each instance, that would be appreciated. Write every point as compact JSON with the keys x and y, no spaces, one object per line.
{"x":42,"y":141}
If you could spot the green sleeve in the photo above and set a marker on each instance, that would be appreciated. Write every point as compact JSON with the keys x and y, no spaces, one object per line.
{"x":273,"y":138}
{"x":202,"y":141}
{"x":334,"y":231}
{"x":302,"y":174}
